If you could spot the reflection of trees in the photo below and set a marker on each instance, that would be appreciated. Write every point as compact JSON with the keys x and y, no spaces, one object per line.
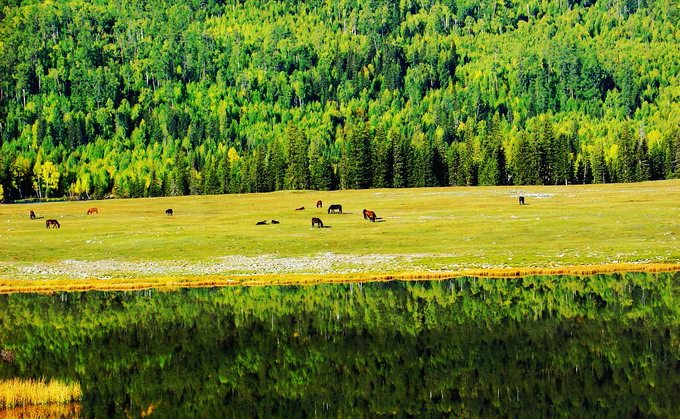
{"x":535,"y":346}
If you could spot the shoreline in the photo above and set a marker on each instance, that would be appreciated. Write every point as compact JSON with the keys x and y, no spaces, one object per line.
{"x":171,"y":283}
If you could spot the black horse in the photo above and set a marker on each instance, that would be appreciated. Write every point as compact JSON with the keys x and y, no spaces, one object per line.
{"x":168,"y":211}
{"x":521,"y":200}
{"x":335,"y":209}
{"x":261,"y":223}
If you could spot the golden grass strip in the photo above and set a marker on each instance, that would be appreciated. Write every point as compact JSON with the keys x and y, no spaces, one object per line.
{"x":22,"y":392}
{"x":172,"y":283}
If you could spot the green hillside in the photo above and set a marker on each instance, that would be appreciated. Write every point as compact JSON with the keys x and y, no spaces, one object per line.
{"x":151,"y":98}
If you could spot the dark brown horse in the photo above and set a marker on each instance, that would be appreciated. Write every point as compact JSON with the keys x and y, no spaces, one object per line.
{"x":32,"y":215}
{"x":92,"y":211}
{"x":335,"y":209}
{"x":168,"y":212}
{"x":53,"y":223}
{"x":369,"y":215}
{"x":521,"y":200}
{"x":317,"y":221}
{"x":299,"y":209}
{"x":319,"y":204}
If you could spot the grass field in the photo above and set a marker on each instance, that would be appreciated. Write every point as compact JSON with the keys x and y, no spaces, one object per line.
{"x":421,"y":230}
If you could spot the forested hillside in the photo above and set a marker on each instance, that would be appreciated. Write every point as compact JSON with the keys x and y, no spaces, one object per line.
{"x":137,"y":98}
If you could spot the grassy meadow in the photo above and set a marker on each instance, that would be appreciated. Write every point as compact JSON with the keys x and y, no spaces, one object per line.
{"x":420,"y":230}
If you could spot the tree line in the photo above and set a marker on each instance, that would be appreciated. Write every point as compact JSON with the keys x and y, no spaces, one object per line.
{"x":144,"y":99}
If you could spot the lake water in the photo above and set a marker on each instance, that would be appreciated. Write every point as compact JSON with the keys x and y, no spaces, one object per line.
{"x":605,"y":345}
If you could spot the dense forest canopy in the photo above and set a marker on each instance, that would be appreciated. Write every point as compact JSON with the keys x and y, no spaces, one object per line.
{"x":148,"y":98}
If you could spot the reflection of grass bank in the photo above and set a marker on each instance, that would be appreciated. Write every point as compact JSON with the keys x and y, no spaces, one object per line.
{"x":21,"y":392}
{"x":170,"y":283}
{"x":71,"y":410}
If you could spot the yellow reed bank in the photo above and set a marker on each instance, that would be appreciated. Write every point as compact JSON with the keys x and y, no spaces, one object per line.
{"x":22,"y":392}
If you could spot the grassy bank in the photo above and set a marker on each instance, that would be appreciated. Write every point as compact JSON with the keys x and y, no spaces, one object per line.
{"x":20,"y":392}
{"x":421,"y":230}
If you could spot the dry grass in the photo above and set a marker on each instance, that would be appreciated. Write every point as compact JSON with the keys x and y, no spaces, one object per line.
{"x":22,"y":392}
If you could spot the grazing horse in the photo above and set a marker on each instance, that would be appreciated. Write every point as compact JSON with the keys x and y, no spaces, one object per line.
{"x":168,"y":211}
{"x":32,"y":215}
{"x":275,"y":222}
{"x":335,"y":209}
{"x":317,"y":221}
{"x":319,"y":204}
{"x":92,"y":211}
{"x":521,"y":200}
{"x":53,"y":223}
{"x":261,"y":223}
{"x":369,"y":215}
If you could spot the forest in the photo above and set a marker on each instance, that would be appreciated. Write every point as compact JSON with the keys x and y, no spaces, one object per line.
{"x":140,"y":98}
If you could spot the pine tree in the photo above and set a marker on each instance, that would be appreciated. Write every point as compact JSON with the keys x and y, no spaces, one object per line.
{"x":627,"y":156}
{"x":382,"y":159}
{"x":320,"y":168}
{"x":297,"y":170}
{"x":357,"y":153}
{"x":401,"y":159}
{"x":526,"y":162}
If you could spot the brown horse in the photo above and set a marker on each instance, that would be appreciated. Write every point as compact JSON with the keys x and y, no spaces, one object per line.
{"x":319,"y":204}
{"x":32,"y":215}
{"x":521,"y":200}
{"x":369,"y":215}
{"x":92,"y":211}
{"x":53,"y":223}
{"x":299,"y":209}
{"x":317,"y":221}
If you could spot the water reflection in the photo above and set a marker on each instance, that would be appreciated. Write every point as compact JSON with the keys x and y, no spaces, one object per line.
{"x":537,"y":346}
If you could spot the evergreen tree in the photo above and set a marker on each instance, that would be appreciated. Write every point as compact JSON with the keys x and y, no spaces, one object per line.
{"x":320,"y":168}
{"x":297,"y":170}
{"x":382,"y":154}
{"x":627,"y":160}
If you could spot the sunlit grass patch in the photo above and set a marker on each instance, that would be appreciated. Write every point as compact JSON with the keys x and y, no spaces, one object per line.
{"x":22,"y":392}
{"x":419,"y":230}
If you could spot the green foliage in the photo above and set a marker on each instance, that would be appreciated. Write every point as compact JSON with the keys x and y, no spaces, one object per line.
{"x":110,"y":95}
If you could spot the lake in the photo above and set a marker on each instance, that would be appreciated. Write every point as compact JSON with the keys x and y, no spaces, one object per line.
{"x":603,"y":345}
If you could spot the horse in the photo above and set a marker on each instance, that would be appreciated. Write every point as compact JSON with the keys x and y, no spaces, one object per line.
{"x":369,"y":215}
{"x":335,"y":209}
{"x":168,"y":212}
{"x":299,"y":209}
{"x":317,"y":221}
{"x":319,"y":204}
{"x":32,"y":215}
{"x":521,"y":200}
{"x":92,"y":211}
{"x":53,"y":223}
{"x":275,"y":222}
{"x":261,"y":223}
